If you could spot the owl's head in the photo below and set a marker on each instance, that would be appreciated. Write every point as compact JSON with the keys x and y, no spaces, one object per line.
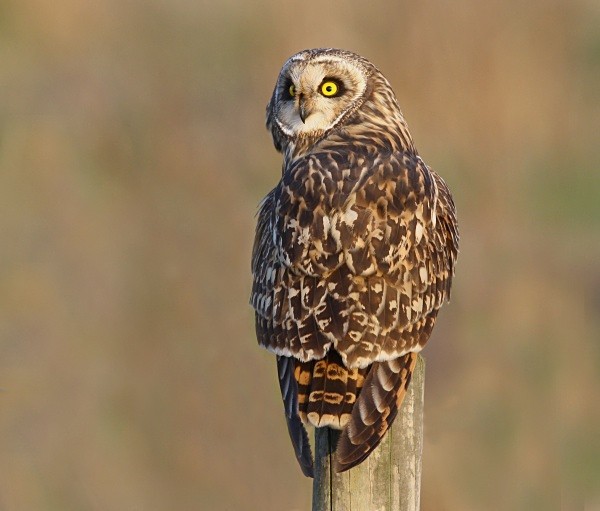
{"x":316,"y":91}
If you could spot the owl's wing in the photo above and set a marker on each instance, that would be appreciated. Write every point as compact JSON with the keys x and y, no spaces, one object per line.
{"x":414,"y":245}
{"x":264,"y":267}
{"x":383,"y":392}
{"x":289,"y":392}
{"x":401,"y":258}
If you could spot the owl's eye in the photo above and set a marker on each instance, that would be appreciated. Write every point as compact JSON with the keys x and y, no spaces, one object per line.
{"x":292,"y":90}
{"x":329,"y":88}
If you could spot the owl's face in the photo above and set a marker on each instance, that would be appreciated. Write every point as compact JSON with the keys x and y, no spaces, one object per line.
{"x":315,"y":91}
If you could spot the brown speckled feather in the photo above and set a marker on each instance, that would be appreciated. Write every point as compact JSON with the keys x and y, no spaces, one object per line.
{"x":354,"y":255}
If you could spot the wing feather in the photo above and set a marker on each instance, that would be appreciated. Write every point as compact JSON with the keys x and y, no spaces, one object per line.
{"x":375,"y":410}
{"x":289,"y":392}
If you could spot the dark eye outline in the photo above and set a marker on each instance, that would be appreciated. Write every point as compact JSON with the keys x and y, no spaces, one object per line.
{"x":289,"y":89}
{"x":340,"y":88}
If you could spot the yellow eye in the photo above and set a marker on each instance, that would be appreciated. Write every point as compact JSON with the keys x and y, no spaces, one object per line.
{"x":329,"y":88}
{"x":292,"y":91}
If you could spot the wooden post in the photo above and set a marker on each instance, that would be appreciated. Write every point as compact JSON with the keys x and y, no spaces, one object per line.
{"x":390,"y":478}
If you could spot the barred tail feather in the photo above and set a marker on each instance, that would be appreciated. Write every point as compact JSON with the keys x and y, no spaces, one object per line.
{"x":328,"y":390}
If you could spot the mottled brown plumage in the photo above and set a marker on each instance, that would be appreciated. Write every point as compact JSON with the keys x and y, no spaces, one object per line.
{"x":354,"y":253}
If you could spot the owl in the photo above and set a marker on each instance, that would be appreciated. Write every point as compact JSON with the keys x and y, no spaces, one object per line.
{"x":354,"y":252}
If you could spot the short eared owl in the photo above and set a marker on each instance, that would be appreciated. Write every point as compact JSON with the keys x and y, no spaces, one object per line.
{"x":354,"y":253}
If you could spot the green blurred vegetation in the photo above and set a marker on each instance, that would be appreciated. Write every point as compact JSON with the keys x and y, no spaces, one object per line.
{"x":132,"y":156}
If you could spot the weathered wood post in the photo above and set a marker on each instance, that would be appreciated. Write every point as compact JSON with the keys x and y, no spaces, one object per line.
{"x":390,"y":478}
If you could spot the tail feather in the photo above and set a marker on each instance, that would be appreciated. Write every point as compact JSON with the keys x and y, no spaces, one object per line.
{"x":328,"y":388}
{"x":362,"y":403}
{"x":303,"y":374}
{"x":377,"y":406}
{"x":355,"y":382}
{"x":328,"y":391}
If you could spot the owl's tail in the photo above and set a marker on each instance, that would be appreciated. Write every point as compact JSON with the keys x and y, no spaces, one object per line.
{"x":381,"y":397}
{"x":363,"y":403}
{"x":327,"y":390}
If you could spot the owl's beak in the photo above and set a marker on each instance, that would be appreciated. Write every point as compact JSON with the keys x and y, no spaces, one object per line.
{"x":303,"y":110}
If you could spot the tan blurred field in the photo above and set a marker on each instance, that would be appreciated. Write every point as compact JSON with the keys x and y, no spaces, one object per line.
{"x":132,"y":156}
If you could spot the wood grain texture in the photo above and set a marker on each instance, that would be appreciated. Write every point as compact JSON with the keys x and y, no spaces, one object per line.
{"x":390,"y":478}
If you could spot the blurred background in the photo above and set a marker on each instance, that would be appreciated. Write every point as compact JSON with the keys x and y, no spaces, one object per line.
{"x":132,"y":157}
